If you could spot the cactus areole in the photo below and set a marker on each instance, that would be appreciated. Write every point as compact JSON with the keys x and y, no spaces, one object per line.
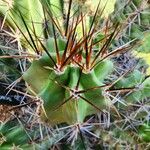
{"x":69,"y":93}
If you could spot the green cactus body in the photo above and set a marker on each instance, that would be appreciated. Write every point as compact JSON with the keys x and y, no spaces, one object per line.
{"x":94,"y":96}
{"x":53,"y":94}
{"x":137,"y":81}
{"x":27,"y":9}
{"x":55,"y":89}
{"x":136,"y":12}
{"x":14,"y":135}
{"x":99,"y":70}
{"x":141,"y":93}
{"x":33,"y":15}
{"x":144,"y":132}
{"x":135,"y":32}
{"x":134,"y":78}
{"x":145,"y":17}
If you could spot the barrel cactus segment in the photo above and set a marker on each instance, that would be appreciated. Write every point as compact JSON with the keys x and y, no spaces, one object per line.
{"x":136,"y":16}
{"x":10,"y":132}
{"x":139,"y":83}
{"x":68,"y":96}
{"x":14,"y":135}
{"x":70,"y":75}
{"x":31,"y":11}
{"x":144,"y":132}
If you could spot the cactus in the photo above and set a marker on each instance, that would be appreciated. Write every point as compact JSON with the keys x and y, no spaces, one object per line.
{"x":15,"y":136}
{"x":144,"y":131}
{"x":9,"y":72}
{"x":68,"y":71}
{"x":70,"y":74}
{"x":143,"y":51}
{"x":53,"y":92}
{"x":135,"y":15}
{"x":10,"y":132}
